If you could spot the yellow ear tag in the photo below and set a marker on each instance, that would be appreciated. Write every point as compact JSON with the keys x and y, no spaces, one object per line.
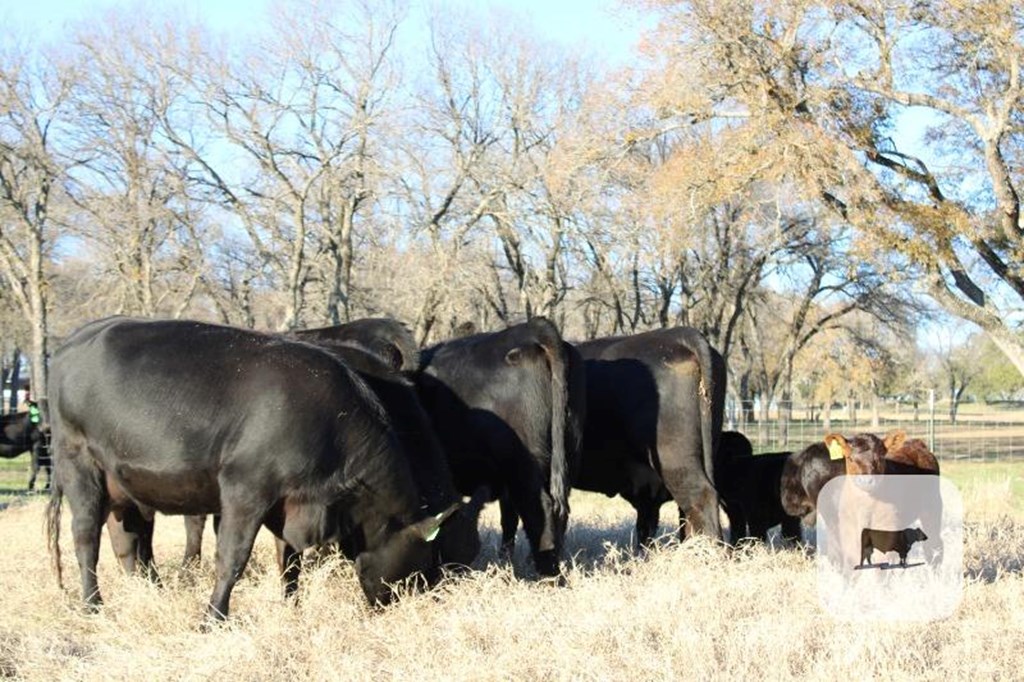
{"x":835,"y":450}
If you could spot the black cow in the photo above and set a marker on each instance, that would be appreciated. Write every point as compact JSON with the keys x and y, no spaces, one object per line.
{"x":382,"y":337}
{"x":655,"y":404}
{"x":19,"y":433}
{"x":508,"y":409}
{"x":899,"y":541}
{"x":377,"y":348}
{"x":189,"y":418}
{"x":749,"y":487}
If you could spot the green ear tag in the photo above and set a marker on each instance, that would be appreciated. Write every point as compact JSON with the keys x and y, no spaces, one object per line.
{"x":433,"y":534}
{"x":835,"y":450}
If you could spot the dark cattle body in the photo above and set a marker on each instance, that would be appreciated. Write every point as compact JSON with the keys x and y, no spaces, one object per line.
{"x":382,"y":337}
{"x":654,"y":415}
{"x":378,"y":349}
{"x":899,"y":541}
{"x":749,"y":487}
{"x":18,"y":434}
{"x":190,"y":418}
{"x":508,"y":409}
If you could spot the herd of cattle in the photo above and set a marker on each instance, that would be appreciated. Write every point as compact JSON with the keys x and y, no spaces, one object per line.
{"x":352,"y":436}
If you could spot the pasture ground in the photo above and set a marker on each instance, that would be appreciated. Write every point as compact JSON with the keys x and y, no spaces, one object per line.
{"x":683,"y":611}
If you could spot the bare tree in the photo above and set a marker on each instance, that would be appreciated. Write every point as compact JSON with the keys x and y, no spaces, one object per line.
{"x":134,"y":208}
{"x":302,"y":113}
{"x":33,"y":107}
{"x":825,"y":87}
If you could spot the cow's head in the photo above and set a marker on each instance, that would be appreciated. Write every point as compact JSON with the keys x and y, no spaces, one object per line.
{"x":864,"y":453}
{"x":404,"y":554}
{"x":459,"y":542}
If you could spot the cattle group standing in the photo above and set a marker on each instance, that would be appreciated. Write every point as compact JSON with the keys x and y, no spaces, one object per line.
{"x":352,"y":436}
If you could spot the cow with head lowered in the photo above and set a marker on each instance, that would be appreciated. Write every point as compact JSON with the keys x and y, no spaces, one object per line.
{"x":508,"y":408}
{"x":190,"y":418}
{"x":655,"y":404}
{"x":379,"y":350}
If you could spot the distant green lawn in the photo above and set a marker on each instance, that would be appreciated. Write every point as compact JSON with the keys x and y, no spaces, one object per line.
{"x":972,"y":475}
{"x":14,"y":475}
{"x":967,"y":475}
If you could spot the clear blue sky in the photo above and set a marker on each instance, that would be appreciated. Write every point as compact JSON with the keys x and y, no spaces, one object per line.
{"x":597,"y":26}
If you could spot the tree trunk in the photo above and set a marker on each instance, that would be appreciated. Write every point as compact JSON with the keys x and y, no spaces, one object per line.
{"x":826,"y":416}
{"x":12,"y":381}
{"x":762,"y":421}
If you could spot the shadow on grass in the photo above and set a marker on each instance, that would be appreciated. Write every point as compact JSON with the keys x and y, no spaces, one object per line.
{"x":589,"y":546}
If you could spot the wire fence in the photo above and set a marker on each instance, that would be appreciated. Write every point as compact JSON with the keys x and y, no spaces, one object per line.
{"x":980,"y":432}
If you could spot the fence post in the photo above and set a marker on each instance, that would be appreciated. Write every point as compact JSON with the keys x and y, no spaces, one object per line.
{"x":931,"y":419}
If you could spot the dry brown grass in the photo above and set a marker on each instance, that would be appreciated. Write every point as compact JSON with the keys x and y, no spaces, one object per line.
{"x":688,"y":611}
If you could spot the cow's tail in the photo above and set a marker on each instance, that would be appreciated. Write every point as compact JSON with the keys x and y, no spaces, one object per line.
{"x":551,"y":342}
{"x":53,"y":513}
{"x":710,"y":394}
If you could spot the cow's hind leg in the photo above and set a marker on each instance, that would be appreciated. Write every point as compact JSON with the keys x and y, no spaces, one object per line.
{"x":543,"y":530}
{"x":289,"y":563}
{"x":237,"y":533}
{"x":32,"y":477}
{"x":194,"y":526}
{"x":87,"y":497}
{"x":131,"y":536}
{"x":647,"y":519}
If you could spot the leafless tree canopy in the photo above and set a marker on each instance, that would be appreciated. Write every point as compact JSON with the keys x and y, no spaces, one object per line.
{"x":795,"y":179}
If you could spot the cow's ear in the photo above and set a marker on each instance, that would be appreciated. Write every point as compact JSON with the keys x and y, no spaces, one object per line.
{"x":837,"y":446}
{"x":429,"y":527}
{"x":514,"y":356}
{"x":894,"y":440}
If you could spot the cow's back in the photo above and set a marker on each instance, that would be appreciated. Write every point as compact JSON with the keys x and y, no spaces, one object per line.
{"x":170,"y":407}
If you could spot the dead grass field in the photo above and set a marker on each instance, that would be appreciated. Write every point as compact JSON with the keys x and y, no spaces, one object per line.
{"x":690,"y":611}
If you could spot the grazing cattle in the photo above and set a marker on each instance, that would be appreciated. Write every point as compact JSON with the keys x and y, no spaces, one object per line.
{"x":21,"y":432}
{"x":508,"y":408}
{"x":749,"y":488}
{"x":655,"y":404}
{"x":899,"y":541}
{"x":190,"y":418}
{"x":378,"y":348}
